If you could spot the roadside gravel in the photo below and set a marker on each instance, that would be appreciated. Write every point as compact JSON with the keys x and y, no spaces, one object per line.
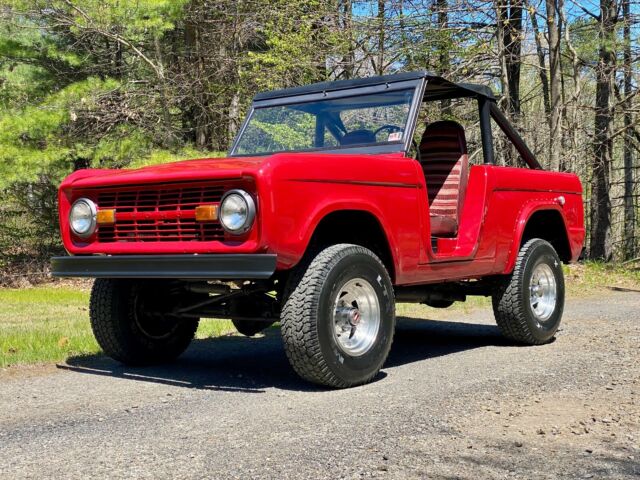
{"x":455,"y":400}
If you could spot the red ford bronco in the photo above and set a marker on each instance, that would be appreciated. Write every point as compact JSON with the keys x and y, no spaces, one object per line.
{"x":336,"y":200}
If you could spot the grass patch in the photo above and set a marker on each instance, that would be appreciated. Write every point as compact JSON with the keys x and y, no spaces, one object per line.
{"x":589,"y":277}
{"x":51,"y":324}
{"x":43,"y":325}
{"x":416,"y":310}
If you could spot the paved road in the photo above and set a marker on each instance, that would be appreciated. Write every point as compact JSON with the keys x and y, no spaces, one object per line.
{"x":453,"y":401}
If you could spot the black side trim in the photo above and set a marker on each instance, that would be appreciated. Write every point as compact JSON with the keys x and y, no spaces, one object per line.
{"x":227,"y":266}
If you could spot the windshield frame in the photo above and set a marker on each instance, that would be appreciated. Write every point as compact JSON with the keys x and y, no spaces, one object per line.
{"x":417,"y":85}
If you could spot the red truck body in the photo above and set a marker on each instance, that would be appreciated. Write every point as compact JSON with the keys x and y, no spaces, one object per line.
{"x":296,"y":191}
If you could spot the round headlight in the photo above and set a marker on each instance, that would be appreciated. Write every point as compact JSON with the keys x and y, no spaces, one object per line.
{"x":82,"y":217}
{"x":237,"y":211}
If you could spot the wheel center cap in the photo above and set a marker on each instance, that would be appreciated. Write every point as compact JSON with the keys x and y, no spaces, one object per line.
{"x":354,"y":317}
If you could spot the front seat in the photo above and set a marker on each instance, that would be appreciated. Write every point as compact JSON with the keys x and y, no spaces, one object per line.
{"x":445,"y":163}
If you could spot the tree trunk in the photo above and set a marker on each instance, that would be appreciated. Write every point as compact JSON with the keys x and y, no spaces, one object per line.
{"x":349,"y":60}
{"x":513,"y":49}
{"x":168,"y":139}
{"x":406,"y":44}
{"x":542,"y":65}
{"x":555,"y":128}
{"x":233,"y":110}
{"x":234,"y":116}
{"x":381,"y":37}
{"x":501,"y":36}
{"x":573,"y":121}
{"x":444,"y":59}
{"x":600,"y":242}
{"x":509,"y":32}
{"x":195,"y":114}
{"x":629,"y":206}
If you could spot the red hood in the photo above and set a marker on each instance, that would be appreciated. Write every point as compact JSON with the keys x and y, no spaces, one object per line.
{"x":186,"y":170}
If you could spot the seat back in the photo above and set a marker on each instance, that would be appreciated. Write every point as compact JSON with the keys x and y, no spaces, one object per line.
{"x":445,"y":163}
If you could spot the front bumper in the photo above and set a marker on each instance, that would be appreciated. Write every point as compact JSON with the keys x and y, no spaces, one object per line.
{"x":203,"y":267}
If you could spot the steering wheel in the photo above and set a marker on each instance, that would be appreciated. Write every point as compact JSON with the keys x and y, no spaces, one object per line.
{"x":389,"y":128}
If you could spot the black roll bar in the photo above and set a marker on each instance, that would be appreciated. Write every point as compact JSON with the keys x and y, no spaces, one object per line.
{"x":484,"y":107}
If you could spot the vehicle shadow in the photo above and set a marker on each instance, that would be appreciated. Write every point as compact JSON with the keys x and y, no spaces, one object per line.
{"x":418,"y":339}
{"x":241,"y":364}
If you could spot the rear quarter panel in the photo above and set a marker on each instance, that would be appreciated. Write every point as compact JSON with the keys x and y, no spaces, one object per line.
{"x":518,"y":193}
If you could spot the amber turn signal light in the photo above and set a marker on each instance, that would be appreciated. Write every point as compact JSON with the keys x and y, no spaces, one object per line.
{"x":206,"y":213}
{"x":106,"y":217}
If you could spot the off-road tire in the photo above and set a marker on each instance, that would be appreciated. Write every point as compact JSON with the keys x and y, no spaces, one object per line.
{"x":511,"y":300}
{"x":113,"y":321}
{"x":307,"y":317}
{"x":249,"y":328}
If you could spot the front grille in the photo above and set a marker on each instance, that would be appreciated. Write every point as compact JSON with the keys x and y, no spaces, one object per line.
{"x":159,"y":214}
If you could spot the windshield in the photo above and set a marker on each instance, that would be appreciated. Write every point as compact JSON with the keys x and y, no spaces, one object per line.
{"x":332,"y":124}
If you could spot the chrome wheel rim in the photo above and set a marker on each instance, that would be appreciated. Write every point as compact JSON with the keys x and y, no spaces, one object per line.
{"x":543,"y":292}
{"x":356,"y":317}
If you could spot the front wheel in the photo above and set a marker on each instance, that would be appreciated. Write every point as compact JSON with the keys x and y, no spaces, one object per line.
{"x":528,"y":305}
{"x":130,"y":322}
{"x":338,"y":319}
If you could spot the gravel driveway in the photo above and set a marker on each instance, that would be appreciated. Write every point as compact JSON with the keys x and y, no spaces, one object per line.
{"x":453,"y":401}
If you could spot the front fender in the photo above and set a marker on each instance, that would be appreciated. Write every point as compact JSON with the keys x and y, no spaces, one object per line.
{"x":297,"y":192}
{"x":291,"y":251}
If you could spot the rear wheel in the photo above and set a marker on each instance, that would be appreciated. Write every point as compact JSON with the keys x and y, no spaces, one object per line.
{"x":528,"y":305}
{"x":339,"y":316}
{"x":130,"y":322}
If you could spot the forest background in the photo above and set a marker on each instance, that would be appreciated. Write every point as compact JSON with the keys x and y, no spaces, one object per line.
{"x":117,"y":83}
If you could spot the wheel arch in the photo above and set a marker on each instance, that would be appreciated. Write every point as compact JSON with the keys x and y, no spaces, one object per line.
{"x":356,"y":226}
{"x":547,"y":223}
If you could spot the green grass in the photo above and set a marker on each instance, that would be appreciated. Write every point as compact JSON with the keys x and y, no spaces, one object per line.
{"x":51,"y":324}
{"x":590,"y":276}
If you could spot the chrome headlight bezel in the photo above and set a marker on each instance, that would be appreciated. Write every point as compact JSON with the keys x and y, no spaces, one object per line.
{"x":249,"y":216}
{"x":93,"y":211}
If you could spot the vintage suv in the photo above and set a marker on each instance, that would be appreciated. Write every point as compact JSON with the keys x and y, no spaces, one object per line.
{"x":324,"y":214}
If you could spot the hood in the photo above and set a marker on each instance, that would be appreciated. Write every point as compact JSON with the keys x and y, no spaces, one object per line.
{"x":186,"y":170}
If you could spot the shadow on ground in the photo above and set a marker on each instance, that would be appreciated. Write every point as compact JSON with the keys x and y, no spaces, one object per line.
{"x":236,"y":363}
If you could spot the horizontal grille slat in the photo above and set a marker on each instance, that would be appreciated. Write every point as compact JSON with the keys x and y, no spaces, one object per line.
{"x":172,"y":212}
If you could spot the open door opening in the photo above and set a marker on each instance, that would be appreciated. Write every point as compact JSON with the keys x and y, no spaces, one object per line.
{"x":445,"y":163}
{"x":459,"y":137}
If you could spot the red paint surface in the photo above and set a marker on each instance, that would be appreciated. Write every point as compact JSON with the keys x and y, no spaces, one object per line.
{"x":295,"y":191}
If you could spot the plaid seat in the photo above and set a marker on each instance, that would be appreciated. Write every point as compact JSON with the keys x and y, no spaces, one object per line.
{"x":445,"y":163}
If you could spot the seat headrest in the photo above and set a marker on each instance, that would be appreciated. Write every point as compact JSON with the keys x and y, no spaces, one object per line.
{"x":444,"y":132}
